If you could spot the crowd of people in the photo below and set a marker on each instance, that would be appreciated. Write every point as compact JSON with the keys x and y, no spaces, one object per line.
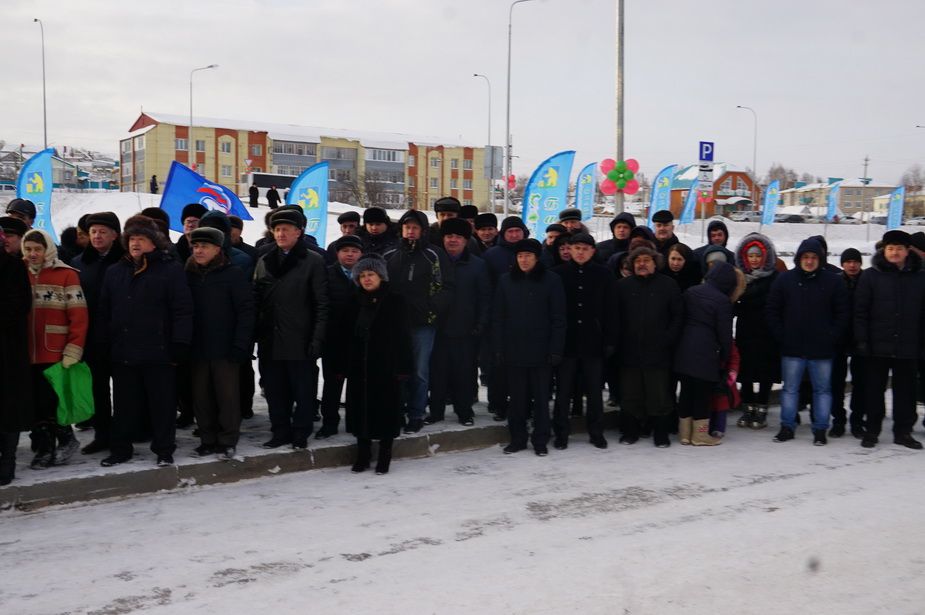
{"x":407,"y":318}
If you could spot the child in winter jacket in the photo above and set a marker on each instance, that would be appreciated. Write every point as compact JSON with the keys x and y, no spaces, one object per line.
{"x":725,"y":395}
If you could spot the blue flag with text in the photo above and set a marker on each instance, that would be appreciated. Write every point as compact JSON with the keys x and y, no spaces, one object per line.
{"x":546,"y":194}
{"x":310,"y":192}
{"x":185,"y":186}
{"x":661,"y":191}
{"x":771,"y":199}
{"x":35,"y":183}
{"x":585,"y":189}
{"x":894,"y":217}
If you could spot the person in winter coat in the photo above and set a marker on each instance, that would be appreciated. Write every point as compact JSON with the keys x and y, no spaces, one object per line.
{"x":57,"y":333}
{"x":726,"y":394}
{"x":378,"y":233}
{"x":760,"y":356}
{"x":807,"y":312}
{"x":528,"y":333}
{"x":552,"y":251}
{"x":453,"y":363}
{"x":273,"y":199}
{"x":341,"y":291}
{"x":621,"y":227}
{"x":851,"y":274}
{"x":13,"y":230}
{"x":148,"y":310}
{"x":253,"y":195}
{"x":718,"y":235}
{"x":649,"y":316}
{"x":889,"y":309}
{"x":682,"y":267}
{"x":190,"y":217}
{"x":376,"y":359}
{"x":291,"y":287}
{"x":663,"y":221}
{"x":104,"y":251}
{"x":570,"y":218}
{"x":486,"y":232}
{"x":590,"y":338}
{"x":223,"y":323}
{"x":153,"y":185}
{"x":15,"y":399}
{"x":422,"y":274}
{"x":712,"y":255}
{"x":349,"y":223}
{"x":219,"y":220}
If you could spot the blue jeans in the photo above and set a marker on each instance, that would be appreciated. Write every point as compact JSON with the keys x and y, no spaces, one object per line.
{"x":820,"y":374}
{"x":422,"y":345}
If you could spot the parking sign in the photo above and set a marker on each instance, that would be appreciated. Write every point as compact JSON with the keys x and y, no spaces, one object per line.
{"x":706,"y":151}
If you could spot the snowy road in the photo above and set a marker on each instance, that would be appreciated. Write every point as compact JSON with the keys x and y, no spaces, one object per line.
{"x":748,"y":527}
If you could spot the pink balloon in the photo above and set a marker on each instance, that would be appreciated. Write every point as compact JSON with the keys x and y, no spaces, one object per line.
{"x":633,"y":165}
{"x":608,"y":187}
{"x":632,"y":187}
{"x":607,"y":164}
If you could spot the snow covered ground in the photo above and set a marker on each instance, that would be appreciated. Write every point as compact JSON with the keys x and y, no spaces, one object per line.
{"x":747,"y":527}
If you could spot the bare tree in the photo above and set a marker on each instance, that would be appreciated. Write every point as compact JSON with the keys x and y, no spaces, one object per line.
{"x":786,"y":177}
{"x":913,"y":179}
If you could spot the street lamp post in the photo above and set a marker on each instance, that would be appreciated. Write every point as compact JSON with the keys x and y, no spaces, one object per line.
{"x":191,"y":144}
{"x":491,"y":152}
{"x":44,"y":107}
{"x":507,"y":125}
{"x":754,"y":152}
{"x":618,"y":197}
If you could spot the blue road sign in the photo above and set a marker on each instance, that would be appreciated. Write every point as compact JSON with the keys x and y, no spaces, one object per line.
{"x":706,"y":151}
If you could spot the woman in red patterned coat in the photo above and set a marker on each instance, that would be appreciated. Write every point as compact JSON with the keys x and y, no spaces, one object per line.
{"x":57,"y":332}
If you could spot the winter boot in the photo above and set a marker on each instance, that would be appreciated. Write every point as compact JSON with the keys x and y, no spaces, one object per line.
{"x":385,"y":456}
{"x":364,"y":453}
{"x":630,"y":429}
{"x":43,"y":443}
{"x":700,"y":435}
{"x":660,"y":429}
{"x":760,"y":417}
{"x":747,"y":416}
{"x":784,"y":434}
{"x":685,"y":427}
{"x":819,"y":438}
{"x":8,"y":442}
{"x":67,"y":445}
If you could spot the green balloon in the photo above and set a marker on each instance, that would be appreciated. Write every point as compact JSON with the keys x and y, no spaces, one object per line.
{"x":613,"y":175}
{"x":621,"y":166}
{"x":621,"y":184}
{"x":628,"y":175}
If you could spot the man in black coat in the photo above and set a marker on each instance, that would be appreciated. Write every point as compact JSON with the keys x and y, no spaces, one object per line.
{"x":851,"y":275}
{"x":717,"y":235}
{"x":486,"y":232}
{"x":453,"y":364}
{"x":807,"y":313}
{"x":341,"y":291}
{"x":223,"y":323}
{"x":663,"y":221}
{"x":422,"y":274}
{"x":621,"y":227}
{"x":349,"y":222}
{"x":13,"y":230}
{"x":649,"y":314}
{"x":190,"y":217}
{"x":889,"y":327}
{"x":590,"y":338}
{"x":291,"y":287}
{"x":273,"y":197}
{"x":147,"y":307}
{"x":104,"y":250}
{"x":253,"y":194}
{"x":528,"y":335}
{"x":378,"y":234}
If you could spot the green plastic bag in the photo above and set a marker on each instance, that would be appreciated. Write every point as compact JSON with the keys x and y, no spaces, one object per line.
{"x":74,"y":387}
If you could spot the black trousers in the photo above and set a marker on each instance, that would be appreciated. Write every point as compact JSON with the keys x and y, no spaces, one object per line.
{"x":184,"y":389}
{"x":290,"y":389}
{"x":576,"y":374}
{"x":246,"y":387}
{"x":140,"y":392}
{"x":498,"y":389}
{"x":840,"y":369}
{"x":526,"y":384}
{"x":217,"y":401}
{"x":749,"y":396}
{"x":101,"y":371}
{"x":452,"y":368}
{"x":45,"y":411}
{"x":903,"y":373}
{"x":330,"y":395}
{"x":695,"y":399}
{"x":646,"y":392}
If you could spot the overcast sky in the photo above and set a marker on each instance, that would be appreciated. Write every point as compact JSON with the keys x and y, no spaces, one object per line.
{"x":832,"y":81}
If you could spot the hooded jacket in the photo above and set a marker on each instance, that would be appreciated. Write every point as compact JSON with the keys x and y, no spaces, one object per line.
{"x":808,"y":311}
{"x":423,"y":275}
{"x":760,"y":355}
{"x":609,"y":247}
{"x":706,"y":337}
{"x":712,"y":226}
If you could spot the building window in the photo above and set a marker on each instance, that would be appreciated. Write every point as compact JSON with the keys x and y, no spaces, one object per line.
{"x":410,"y":161}
{"x":435,"y":163}
{"x":454,"y":163}
{"x":411,"y":182}
{"x":467,"y":184}
{"x":127,"y":146}
{"x":726,"y":186}
{"x":139,"y":143}
{"x":200,"y":145}
{"x":434,"y":183}
{"x":467,"y":164}
{"x":338,"y":153}
{"x":256,"y":150}
{"x":180,"y":145}
{"x":226,"y":170}
{"x":385,"y":155}
{"x":454,"y":184}
{"x":224,"y":147}
{"x":467,"y":202}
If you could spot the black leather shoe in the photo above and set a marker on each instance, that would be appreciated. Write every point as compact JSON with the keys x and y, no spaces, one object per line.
{"x":598,"y":442}
{"x":414,"y":425}
{"x":560,"y":443}
{"x":276,"y":442}
{"x":512,"y":448}
{"x":114,"y":460}
{"x":837,"y":431}
{"x":869,"y":441}
{"x":908,"y":441}
{"x":94,"y":447}
{"x":325,"y":433}
{"x":431,"y":419}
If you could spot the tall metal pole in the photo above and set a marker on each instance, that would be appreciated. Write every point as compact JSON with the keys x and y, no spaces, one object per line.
{"x":507,"y":124}
{"x":44,"y":107}
{"x":754,"y":154}
{"x":618,"y":198}
{"x":491,"y":152}
{"x":190,"y":143}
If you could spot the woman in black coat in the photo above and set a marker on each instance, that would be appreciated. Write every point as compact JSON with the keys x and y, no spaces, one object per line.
{"x":705,"y":344}
{"x":376,"y":360}
{"x":15,"y":398}
{"x":683,"y":267}
{"x":759,"y":351}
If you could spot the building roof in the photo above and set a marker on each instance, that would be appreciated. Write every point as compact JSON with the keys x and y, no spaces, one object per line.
{"x":687,"y":175}
{"x":845,"y":183}
{"x":309,"y":134}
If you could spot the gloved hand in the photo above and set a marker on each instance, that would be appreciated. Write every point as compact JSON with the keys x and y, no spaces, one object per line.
{"x":179,"y":352}
{"x":67,"y":362}
{"x":555,"y":360}
{"x":240,"y":356}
